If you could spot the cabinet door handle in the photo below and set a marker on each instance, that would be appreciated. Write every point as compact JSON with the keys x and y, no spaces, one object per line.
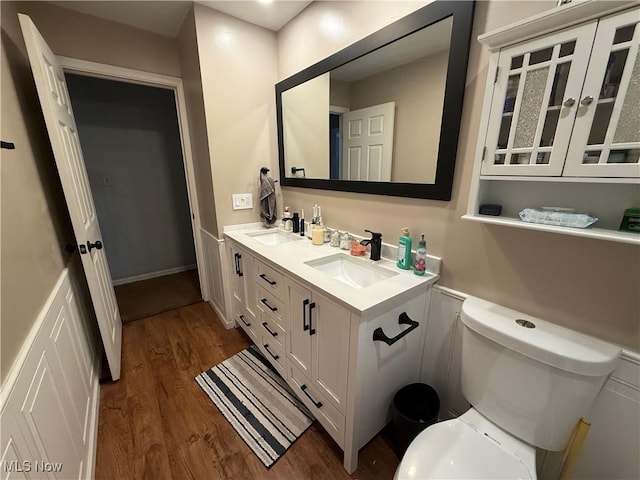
{"x":244,"y":321}
{"x":264,"y":300}
{"x":266,"y":347}
{"x":403,"y":319}
{"x":304,"y":390}
{"x":312,"y":331}
{"x":238,"y":257}
{"x":305,"y":325}
{"x":586,"y":101}
{"x":569,"y":102}
{"x":266,"y":327}
{"x":264,"y":277}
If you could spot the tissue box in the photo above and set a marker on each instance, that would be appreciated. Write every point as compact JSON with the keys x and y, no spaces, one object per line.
{"x":631,"y":220}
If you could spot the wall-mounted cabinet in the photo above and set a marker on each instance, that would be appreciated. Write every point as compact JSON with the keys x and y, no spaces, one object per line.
{"x":561,"y":119}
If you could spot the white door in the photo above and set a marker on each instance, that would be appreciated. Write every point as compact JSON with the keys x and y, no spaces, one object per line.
{"x":63,"y":135}
{"x":367,"y":148}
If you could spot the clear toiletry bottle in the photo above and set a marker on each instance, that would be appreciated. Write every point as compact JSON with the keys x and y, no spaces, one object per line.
{"x":404,"y":249}
{"x":287,"y":225}
{"x":420,"y":266}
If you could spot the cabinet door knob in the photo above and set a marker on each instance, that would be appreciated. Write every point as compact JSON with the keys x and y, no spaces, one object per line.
{"x":569,"y":102}
{"x":586,"y":101}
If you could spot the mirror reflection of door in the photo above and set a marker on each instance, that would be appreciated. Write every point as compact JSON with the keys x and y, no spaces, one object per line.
{"x":367,"y":143}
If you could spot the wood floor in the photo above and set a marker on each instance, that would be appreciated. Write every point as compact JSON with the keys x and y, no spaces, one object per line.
{"x":156,"y":423}
{"x":144,"y":298}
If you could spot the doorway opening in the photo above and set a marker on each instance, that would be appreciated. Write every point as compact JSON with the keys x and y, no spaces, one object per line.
{"x":130,"y":137}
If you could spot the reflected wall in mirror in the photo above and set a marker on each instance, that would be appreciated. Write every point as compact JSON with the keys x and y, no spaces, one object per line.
{"x":368,"y":119}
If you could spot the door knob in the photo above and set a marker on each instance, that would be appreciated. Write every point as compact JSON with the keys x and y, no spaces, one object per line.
{"x":569,"y":102}
{"x":97,"y":245}
{"x":586,"y":101}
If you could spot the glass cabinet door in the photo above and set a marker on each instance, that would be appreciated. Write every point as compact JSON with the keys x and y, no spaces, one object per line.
{"x":606,"y":135}
{"x":534,"y":104}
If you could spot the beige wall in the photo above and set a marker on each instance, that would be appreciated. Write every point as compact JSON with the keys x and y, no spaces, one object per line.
{"x":305,"y":114}
{"x":239,"y":70}
{"x":73,"y":34}
{"x":192,"y":83}
{"x":35,"y":224}
{"x":584,"y":284}
{"x":418,"y":90}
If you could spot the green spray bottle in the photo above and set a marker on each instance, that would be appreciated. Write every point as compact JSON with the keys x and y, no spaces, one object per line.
{"x":404,"y":250}
{"x":420,"y":266}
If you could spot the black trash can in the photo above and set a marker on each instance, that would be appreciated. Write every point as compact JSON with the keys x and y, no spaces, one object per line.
{"x":414,"y":408}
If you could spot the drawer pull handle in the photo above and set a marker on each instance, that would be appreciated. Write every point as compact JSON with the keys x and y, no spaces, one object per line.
{"x":403,"y":319}
{"x":264,"y":277}
{"x":266,"y":347}
{"x":305,"y":325}
{"x":264,"y":300}
{"x":266,"y":327}
{"x":244,"y":321}
{"x":304,"y":390}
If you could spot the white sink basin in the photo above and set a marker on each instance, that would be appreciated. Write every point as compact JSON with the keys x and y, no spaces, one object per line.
{"x":356,"y":273}
{"x":274,"y":237}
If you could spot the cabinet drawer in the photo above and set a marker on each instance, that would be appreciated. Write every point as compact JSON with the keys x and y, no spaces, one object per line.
{"x":330,"y":418}
{"x":270,"y":305}
{"x":271,"y":331}
{"x":273,"y":352}
{"x":247,"y":323}
{"x":269,"y":279}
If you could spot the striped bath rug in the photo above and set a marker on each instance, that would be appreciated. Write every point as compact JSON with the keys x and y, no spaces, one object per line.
{"x":257,"y":402}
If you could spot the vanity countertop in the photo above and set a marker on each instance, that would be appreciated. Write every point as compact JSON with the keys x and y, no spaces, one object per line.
{"x":368,"y":301}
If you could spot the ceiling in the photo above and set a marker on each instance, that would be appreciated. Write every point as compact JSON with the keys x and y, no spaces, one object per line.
{"x":166,"y":17}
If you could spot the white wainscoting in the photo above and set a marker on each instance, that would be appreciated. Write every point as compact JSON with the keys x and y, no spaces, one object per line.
{"x":49,"y":401}
{"x":215,"y":257}
{"x":613,"y":442}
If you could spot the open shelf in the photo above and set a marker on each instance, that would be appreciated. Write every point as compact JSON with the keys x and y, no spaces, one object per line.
{"x":597,"y":233}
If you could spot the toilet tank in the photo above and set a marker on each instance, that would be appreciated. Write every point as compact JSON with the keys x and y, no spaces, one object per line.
{"x":530,"y":377}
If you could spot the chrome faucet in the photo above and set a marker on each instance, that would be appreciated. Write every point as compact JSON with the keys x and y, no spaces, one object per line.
{"x":376,"y":244}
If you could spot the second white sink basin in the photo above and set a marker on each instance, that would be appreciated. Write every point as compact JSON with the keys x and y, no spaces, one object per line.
{"x":356,"y":273}
{"x":274,"y":237}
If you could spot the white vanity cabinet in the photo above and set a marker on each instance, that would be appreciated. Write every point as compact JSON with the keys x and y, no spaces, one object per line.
{"x":561,"y":120}
{"x":344,"y":351}
{"x":243,"y":288}
{"x":318,"y":354}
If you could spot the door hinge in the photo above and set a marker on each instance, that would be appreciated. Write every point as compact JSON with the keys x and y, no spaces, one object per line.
{"x":495,"y":80}
{"x":484,"y":153}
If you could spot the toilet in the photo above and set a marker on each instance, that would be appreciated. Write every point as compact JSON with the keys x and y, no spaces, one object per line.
{"x":528,"y":381}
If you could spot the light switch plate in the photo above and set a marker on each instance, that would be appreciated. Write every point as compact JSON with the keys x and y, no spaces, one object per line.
{"x":242,"y":201}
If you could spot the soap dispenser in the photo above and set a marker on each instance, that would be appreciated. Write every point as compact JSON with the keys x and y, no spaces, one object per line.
{"x":420,"y":266}
{"x":404,"y":249}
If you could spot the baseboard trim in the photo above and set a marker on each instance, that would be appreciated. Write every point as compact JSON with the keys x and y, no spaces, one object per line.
{"x":159,"y":273}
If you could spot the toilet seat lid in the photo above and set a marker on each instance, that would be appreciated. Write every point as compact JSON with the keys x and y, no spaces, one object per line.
{"x":455,"y":450}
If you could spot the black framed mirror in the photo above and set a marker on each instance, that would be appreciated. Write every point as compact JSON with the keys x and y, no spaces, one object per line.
{"x":382,"y":115}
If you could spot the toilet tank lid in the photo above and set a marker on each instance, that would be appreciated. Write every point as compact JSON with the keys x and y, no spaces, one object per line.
{"x":548,"y":343}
